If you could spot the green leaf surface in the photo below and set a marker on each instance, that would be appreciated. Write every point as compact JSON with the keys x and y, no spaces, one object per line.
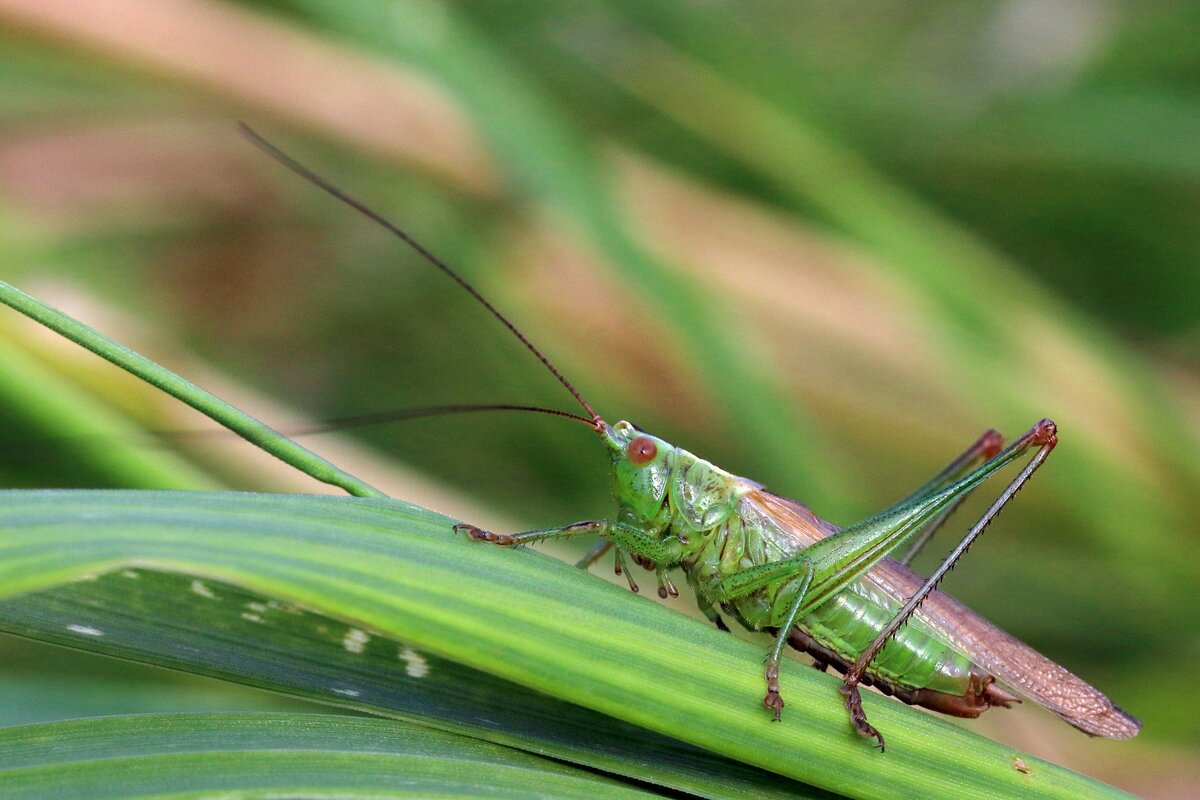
{"x":37,"y":676}
{"x":274,"y":755}
{"x":225,"y":631}
{"x":397,"y":570}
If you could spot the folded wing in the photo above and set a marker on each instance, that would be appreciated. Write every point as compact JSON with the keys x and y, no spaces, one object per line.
{"x":1013,"y":662}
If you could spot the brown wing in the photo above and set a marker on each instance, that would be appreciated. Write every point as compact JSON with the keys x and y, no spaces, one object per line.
{"x":1013,"y":662}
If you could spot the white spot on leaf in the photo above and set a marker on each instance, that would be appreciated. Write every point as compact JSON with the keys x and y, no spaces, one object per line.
{"x":128,"y":573}
{"x":86,"y":630}
{"x":355,"y":641}
{"x":414,"y":663}
{"x":347,"y":692}
{"x":258,"y":607}
{"x":202,"y":590}
{"x":246,"y":615}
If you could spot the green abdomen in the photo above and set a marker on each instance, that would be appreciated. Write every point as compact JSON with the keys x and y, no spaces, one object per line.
{"x":914,"y":657}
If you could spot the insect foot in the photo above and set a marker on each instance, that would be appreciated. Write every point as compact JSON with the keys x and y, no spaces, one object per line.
{"x":1045,"y":432}
{"x":643,"y":562}
{"x":859,"y":717}
{"x":992,"y":443}
{"x":773,"y":702}
{"x":480,"y":535}
{"x":665,"y":587}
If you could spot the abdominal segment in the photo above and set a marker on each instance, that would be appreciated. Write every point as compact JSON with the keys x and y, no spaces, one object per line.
{"x":914,"y":666}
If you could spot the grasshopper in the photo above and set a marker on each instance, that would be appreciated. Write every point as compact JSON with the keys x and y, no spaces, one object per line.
{"x":845,"y":596}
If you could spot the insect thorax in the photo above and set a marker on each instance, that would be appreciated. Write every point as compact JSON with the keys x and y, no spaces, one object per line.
{"x":677,"y":492}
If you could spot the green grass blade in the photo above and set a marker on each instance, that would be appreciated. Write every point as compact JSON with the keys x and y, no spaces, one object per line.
{"x":273,"y":755}
{"x":88,"y":428}
{"x":241,"y":636}
{"x":45,"y":683}
{"x":206,"y":403}
{"x":398,"y":570}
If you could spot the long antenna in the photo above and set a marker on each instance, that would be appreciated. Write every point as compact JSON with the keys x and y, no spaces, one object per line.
{"x":304,"y":172}
{"x":35,"y":449}
{"x":379,"y":417}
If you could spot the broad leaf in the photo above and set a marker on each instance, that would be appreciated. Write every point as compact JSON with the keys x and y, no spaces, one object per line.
{"x":397,"y":570}
{"x":275,"y":755}
{"x":225,"y":631}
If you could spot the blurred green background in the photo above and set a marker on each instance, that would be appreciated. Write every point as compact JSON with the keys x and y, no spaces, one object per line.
{"x":824,"y":247}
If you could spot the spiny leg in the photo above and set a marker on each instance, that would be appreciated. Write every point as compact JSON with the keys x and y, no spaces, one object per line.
{"x":1044,"y":436}
{"x":598,"y":526}
{"x":646,"y":546}
{"x":985,"y":447}
{"x":529,"y":537}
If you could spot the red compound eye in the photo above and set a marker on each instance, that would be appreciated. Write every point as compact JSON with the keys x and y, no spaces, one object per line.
{"x":641,"y":451}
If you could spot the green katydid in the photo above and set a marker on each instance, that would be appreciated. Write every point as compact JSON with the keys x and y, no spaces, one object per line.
{"x":844,"y":595}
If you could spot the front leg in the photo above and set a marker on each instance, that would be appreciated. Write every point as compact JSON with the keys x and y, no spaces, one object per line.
{"x":647,"y":544}
{"x":597,"y":526}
